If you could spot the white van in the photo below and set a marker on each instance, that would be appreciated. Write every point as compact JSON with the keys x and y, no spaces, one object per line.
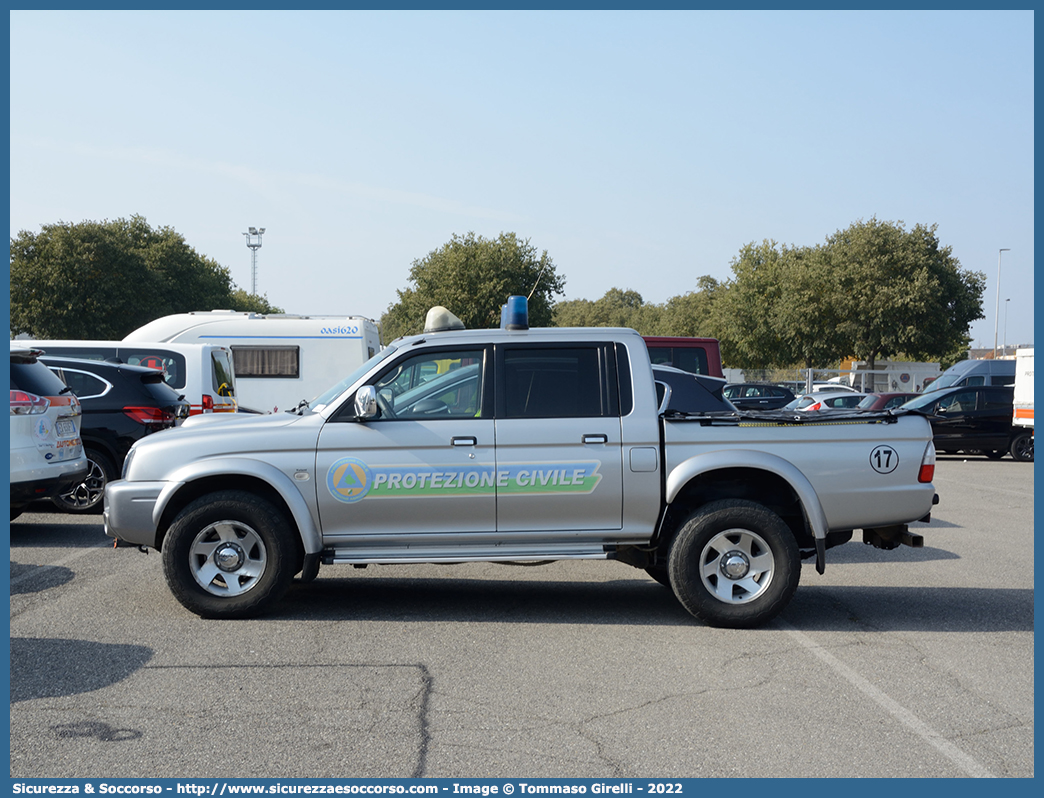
{"x":280,"y":359}
{"x":975,"y":372}
{"x":203,"y":373}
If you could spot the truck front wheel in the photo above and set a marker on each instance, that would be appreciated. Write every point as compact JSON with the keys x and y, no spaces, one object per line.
{"x":734,"y":563}
{"x":228,"y":555}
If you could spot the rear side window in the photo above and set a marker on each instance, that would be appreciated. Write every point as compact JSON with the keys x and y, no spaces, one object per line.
{"x":84,"y":385}
{"x":276,"y":362}
{"x":623,"y":367}
{"x":687,"y":358}
{"x":998,"y":399}
{"x":35,"y":378}
{"x":170,"y":363}
{"x":556,"y":382}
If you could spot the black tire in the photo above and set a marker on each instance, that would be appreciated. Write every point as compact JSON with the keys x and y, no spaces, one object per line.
{"x":88,"y":496}
{"x":1022,"y":447}
{"x":660,"y":574}
{"x":761,"y":549}
{"x":258,"y":559}
{"x":16,"y":511}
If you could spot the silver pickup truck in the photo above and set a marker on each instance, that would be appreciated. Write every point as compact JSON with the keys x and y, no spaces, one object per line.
{"x":518,"y":445}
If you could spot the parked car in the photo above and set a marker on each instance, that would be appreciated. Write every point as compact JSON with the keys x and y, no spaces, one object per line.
{"x":121,"y":404}
{"x":46,"y":450}
{"x":832,"y":386}
{"x":203,"y":372}
{"x":885,"y":401}
{"x":827,"y":400}
{"x":974,"y":419}
{"x":694,"y":355}
{"x":755,"y":396}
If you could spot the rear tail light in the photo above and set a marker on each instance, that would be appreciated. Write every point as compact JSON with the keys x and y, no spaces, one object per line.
{"x":24,"y":403}
{"x":927,"y":472}
{"x":154,"y":418}
{"x":816,"y":406}
{"x":208,"y":403}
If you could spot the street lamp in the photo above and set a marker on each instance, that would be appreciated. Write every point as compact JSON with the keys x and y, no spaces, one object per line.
{"x":996,"y":315}
{"x":1006,"y":301}
{"x":253,"y":240}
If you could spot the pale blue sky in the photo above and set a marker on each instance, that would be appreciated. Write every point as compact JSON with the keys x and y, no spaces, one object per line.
{"x":640,"y":149}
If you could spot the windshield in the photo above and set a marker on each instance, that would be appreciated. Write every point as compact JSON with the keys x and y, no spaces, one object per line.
{"x":334,"y":391}
{"x":945,"y":381}
{"x":953,"y":375}
{"x":920,"y":402}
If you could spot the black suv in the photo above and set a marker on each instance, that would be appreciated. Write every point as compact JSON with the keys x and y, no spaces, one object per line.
{"x":755,"y":396}
{"x":121,"y":404}
{"x":975,"y":419}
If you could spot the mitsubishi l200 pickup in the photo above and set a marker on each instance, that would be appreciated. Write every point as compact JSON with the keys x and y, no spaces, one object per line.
{"x":518,"y":445}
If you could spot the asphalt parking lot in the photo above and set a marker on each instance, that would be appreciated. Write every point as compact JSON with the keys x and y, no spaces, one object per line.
{"x":910,"y":663}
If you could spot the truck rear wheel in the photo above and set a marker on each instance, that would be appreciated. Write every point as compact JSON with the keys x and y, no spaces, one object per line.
{"x":1022,"y":447}
{"x":734,"y":563}
{"x":228,"y":555}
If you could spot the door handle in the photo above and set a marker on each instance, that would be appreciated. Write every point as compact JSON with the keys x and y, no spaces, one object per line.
{"x":464,"y":440}
{"x":599,"y":438}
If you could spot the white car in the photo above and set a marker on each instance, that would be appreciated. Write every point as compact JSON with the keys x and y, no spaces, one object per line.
{"x":47,"y":457}
{"x":827,"y":400}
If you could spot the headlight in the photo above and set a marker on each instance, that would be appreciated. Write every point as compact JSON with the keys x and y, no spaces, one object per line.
{"x":127,"y":463}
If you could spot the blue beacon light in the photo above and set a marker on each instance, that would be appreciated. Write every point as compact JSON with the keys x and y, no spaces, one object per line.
{"x":514,"y":315}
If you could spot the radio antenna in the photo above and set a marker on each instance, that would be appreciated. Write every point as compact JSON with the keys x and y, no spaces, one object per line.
{"x":537,"y":281}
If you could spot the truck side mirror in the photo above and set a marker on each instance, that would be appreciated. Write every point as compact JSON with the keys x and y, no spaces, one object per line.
{"x":366,"y":403}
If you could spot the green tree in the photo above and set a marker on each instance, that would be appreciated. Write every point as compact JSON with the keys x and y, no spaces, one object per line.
{"x":692,"y":314}
{"x":745,"y":310}
{"x":252,"y":303}
{"x":575,"y":313}
{"x":806,"y":318}
{"x":689,"y":314}
{"x":104,"y":279}
{"x":901,"y":292}
{"x":617,"y":308}
{"x":473,"y":276}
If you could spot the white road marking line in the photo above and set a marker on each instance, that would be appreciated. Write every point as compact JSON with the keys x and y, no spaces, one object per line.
{"x":968,"y":765}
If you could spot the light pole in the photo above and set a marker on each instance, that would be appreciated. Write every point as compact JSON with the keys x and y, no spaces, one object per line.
{"x":253,"y":240}
{"x":1006,"y":301}
{"x":996,"y":314}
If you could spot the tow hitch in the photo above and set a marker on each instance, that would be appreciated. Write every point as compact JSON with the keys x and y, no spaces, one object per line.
{"x":892,"y":537}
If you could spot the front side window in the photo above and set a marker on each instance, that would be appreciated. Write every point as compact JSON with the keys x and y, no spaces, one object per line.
{"x":224,"y":381}
{"x":959,"y":402}
{"x":433,"y":385}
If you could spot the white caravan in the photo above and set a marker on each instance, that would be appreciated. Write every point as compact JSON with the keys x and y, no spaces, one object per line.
{"x":279,"y":359}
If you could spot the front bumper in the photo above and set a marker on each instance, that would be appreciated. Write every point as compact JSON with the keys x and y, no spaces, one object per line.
{"x":130,"y":511}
